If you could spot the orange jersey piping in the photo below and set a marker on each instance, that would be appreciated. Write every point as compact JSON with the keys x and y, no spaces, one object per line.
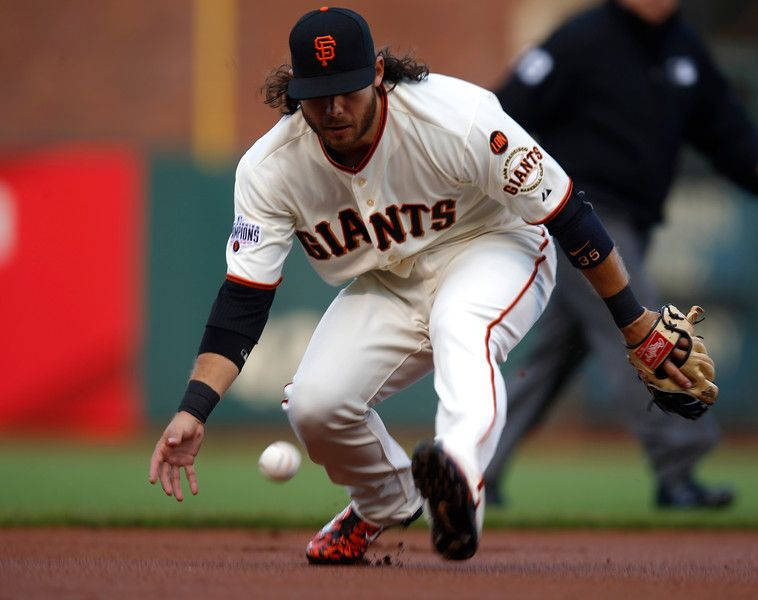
{"x":558,"y":208}
{"x":501,"y":316}
{"x":254,"y":284}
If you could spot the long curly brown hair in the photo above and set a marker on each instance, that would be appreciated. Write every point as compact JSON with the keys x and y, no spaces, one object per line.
{"x":396,"y":68}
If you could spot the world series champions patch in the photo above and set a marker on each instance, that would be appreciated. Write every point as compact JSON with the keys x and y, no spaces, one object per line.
{"x":245,"y":233}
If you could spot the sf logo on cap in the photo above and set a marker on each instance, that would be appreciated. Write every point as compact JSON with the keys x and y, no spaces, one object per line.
{"x":324,"y":45}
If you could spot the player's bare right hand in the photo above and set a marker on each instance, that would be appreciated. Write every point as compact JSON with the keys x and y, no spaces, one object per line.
{"x":177,"y":448}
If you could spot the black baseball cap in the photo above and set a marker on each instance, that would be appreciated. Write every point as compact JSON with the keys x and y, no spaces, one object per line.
{"x":332,"y":53}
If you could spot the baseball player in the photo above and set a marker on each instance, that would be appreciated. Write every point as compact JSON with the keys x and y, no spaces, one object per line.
{"x":438,"y":210}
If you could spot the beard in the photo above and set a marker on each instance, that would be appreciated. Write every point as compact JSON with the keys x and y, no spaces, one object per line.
{"x":366,"y":120}
{"x":362,"y":125}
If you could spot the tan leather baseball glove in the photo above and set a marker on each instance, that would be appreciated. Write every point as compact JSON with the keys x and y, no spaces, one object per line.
{"x":649,"y":355}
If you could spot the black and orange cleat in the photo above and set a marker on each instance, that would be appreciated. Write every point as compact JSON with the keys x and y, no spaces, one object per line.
{"x":343,"y":540}
{"x":453,"y":512}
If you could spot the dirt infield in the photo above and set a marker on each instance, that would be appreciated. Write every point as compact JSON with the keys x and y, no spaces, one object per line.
{"x":137,"y":563}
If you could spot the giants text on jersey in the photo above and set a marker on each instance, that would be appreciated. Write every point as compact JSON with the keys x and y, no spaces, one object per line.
{"x":447,"y":165}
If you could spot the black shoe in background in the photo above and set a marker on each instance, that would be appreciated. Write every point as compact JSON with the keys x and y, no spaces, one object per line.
{"x":492,"y":495}
{"x":688,"y":493}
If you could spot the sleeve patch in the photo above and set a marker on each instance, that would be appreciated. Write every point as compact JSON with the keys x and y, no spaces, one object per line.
{"x":682,"y":70}
{"x":245,"y":233}
{"x":535,"y":65}
{"x":498,"y":142}
{"x":523,"y":171}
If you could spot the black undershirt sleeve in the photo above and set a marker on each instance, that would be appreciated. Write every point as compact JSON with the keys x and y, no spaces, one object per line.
{"x":586,"y":242}
{"x":580,"y":233}
{"x":236,"y":321}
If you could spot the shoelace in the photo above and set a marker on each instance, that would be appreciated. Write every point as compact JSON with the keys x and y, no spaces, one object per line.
{"x":349,"y":524}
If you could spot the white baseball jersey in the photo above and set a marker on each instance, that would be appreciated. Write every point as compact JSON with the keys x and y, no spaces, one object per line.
{"x":447,"y":165}
{"x":438,"y":226}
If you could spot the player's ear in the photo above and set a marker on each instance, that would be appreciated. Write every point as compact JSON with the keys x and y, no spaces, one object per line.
{"x":379,"y":71}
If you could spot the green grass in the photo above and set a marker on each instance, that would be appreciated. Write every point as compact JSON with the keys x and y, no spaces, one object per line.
{"x":609,"y":485}
{"x":552,"y":484}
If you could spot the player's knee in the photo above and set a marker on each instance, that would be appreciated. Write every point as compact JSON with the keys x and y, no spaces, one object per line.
{"x":305,"y":411}
{"x":317,"y":408}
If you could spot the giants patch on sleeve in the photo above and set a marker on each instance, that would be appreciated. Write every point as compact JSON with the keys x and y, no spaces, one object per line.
{"x":245,"y":233}
{"x":523,"y":171}
{"x":654,"y":350}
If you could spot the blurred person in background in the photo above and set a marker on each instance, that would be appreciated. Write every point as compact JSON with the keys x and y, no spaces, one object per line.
{"x":614,"y":94}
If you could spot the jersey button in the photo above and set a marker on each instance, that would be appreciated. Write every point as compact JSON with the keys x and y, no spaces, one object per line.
{"x":362,"y":181}
{"x":370,"y":202}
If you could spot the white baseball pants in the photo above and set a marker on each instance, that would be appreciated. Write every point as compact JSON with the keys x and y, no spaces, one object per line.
{"x":462,"y":308}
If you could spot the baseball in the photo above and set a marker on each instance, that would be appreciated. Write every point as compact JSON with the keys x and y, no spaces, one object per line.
{"x":279,"y":461}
